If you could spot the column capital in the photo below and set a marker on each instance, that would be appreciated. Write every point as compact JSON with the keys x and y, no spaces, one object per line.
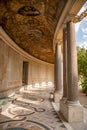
{"x":64,"y":25}
{"x":70,"y":18}
{"x":70,"y":21}
{"x":64,"y":32}
{"x":57,"y":42}
{"x":60,"y":41}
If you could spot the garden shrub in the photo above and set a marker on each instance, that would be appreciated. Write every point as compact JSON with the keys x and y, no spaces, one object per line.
{"x":84,"y":85}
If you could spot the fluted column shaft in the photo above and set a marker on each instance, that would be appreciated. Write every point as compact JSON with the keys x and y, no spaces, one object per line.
{"x":72,"y":63}
{"x":64,"y":63}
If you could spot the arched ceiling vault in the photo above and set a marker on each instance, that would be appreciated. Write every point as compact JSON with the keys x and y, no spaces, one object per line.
{"x":31,"y":24}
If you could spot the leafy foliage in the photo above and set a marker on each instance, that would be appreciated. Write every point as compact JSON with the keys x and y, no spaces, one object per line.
{"x":82,"y":67}
{"x":82,"y":61}
{"x":84,"y":85}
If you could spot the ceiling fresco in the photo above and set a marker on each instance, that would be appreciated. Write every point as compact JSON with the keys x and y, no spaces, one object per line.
{"x":31,"y":24}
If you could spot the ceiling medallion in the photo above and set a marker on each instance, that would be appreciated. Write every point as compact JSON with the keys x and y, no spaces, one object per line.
{"x":28,"y":11}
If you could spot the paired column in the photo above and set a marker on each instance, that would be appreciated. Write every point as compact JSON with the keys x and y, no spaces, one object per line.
{"x":70,"y":73}
{"x":71,"y":109}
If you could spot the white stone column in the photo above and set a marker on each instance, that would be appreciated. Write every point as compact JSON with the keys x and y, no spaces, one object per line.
{"x":58,"y":73}
{"x":72,"y":110}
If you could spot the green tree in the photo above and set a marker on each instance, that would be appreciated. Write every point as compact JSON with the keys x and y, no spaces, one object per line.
{"x":82,"y":67}
{"x":82,"y":61}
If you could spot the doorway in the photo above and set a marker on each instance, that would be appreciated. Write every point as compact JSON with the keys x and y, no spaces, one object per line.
{"x":25,"y":73}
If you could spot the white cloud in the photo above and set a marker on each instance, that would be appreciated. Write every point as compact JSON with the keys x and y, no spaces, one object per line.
{"x":85,"y":42}
{"x":85,"y":37}
{"x":83,"y":45}
{"x":84,"y":30}
{"x":85,"y":19}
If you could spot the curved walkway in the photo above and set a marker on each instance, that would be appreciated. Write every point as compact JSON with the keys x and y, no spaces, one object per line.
{"x":31,"y":110}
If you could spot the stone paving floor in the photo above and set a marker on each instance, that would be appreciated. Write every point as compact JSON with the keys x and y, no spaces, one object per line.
{"x":83,"y":102}
{"x":76,"y":125}
{"x":31,"y":112}
{"x":83,"y":99}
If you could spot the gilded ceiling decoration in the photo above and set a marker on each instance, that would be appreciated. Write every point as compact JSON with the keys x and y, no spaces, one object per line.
{"x":80,"y":17}
{"x":31,"y":24}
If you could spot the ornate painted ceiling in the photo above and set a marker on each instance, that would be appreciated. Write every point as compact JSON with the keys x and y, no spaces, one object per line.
{"x":31,"y":24}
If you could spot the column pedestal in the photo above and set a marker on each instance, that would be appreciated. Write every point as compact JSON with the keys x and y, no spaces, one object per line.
{"x":71,"y":112}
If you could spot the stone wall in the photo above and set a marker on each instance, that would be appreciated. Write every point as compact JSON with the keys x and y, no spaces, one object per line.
{"x":11,"y":68}
{"x":40,"y":74}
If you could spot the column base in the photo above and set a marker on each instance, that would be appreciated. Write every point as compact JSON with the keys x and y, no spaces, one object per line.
{"x":71,"y":113}
{"x":57,"y":96}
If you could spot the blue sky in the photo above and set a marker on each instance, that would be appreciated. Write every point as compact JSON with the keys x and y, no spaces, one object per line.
{"x":81,"y":29}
